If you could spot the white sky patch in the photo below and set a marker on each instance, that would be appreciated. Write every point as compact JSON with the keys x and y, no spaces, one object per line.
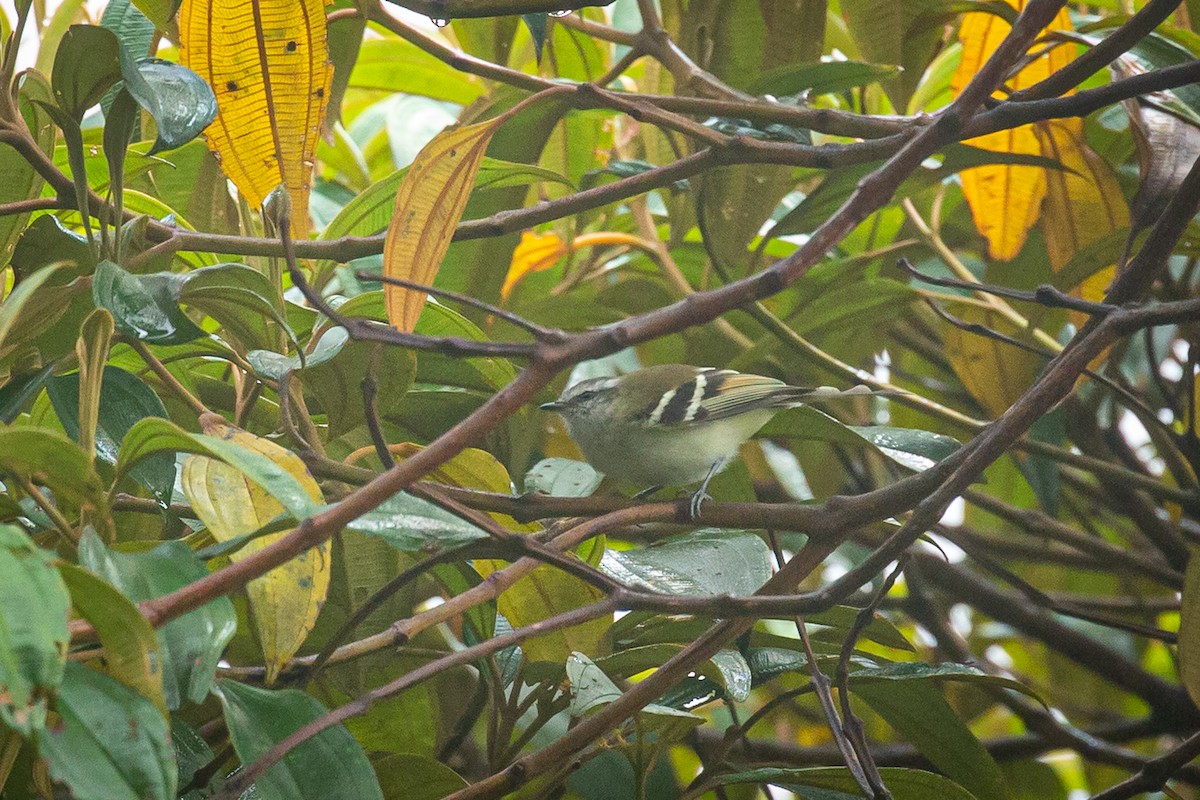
{"x":1135,"y":433}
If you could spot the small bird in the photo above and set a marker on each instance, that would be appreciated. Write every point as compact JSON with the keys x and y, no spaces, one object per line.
{"x":674,"y":424}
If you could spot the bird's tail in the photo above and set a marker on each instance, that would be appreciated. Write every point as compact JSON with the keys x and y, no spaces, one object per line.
{"x":797,"y":395}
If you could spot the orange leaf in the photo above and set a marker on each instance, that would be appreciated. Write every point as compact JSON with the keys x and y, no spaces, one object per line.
{"x":267,"y":61}
{"x":535,"y":253}
{"x":1005,"y":198}
{"x":429,"y":204}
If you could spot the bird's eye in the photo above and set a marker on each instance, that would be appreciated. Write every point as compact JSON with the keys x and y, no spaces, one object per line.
{"x":586,"y":395}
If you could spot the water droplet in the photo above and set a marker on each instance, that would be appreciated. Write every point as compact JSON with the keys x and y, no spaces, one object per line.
{"x":561,"y":13}
{"x":441,"y":23}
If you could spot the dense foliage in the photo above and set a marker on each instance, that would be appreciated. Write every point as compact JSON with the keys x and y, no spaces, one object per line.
{"x":283,"y":284}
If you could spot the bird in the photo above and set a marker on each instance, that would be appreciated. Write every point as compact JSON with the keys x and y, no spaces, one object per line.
{"x":675,"y":424}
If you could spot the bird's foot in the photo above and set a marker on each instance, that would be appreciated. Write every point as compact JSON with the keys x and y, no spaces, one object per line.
{"x":694,"y":505}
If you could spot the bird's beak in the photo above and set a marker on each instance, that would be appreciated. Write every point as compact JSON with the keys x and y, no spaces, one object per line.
{"x":554,"y":406}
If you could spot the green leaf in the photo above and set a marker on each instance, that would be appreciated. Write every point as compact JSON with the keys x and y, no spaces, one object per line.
{"x":30,"y":309}
{"x":536,"y":23}
{"x":948,"y":671}
{"x":47,"y":242}
{"x":87,"y":64}
{"x":1189,"y":627}
{"x":407,"y":776}
{"x":275,"y":480}
{"x":20,"y":389}
{"x":124,"y":401}
{"x":896,"y":33}
{"x":706,"y":562}
{"x":916,"y":449}
{"x":120,"y":121}
{"x":919,"y":713}
{"x":591,"y":689}
{"x":329,"y":766}
{"x":191,"y":645}
{"x":130,"y":646}
{"x":241,"y":299}
{"x":145,"y":307}
{"x":275,"y":365}
{"x":21,"y":180}
{"x":562,"y":477}
{"x":903,"y":783}
{"x":191,"y":751}
{"x":112,"y":743}
{"x":394,"y":65}
{"x":841,"y":619}
{"x":337,"y":383}
{"x":157,"y":11}
{"x":57,"y":462}
{"x":133,"y":29}
{"x":181,"y":102}
{"x":34,"y":608}
{"x":820,"y":78}
{"x":416,"y":526}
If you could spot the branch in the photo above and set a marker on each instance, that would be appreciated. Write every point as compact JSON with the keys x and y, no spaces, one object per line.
{"x":1156,"y":773}
{"x":1101,"y":55}
{"x":465,"y":9}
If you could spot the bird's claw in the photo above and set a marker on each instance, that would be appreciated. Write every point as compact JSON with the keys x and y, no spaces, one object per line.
{"x":697,"y":501}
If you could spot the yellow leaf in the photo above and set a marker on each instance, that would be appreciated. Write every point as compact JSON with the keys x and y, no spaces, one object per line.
{"x":535,"y":253}
{"x":284,"y":602}
{"x":267,"y":62}
{"x":1084,"y":203}
{"x":1005,"y":198}
{"x":995,"y":373}
{"x":429,"y":204}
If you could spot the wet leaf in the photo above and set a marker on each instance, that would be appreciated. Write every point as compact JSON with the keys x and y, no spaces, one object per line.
{"x":180,"y":101}
{"x":707,"y":562}
{"x":562,"y":477}
{"x":144,"y":306}
{"x":591,"y":689}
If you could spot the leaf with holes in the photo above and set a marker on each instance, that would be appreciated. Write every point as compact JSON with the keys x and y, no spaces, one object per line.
{"x":268,"y":64}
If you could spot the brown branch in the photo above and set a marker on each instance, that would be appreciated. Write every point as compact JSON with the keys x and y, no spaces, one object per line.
{"x":1156,"y":773}
{"x":1101,"y":55}
{"x":464,"y":9}
{"x":1167,"y":700}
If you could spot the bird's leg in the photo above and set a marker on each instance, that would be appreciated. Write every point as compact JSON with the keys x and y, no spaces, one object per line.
{"x":702,"y":493}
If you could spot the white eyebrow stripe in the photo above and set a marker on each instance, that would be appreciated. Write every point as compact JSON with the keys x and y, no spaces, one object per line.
{"x":663,"y":401}
{"x":697,"y":396}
